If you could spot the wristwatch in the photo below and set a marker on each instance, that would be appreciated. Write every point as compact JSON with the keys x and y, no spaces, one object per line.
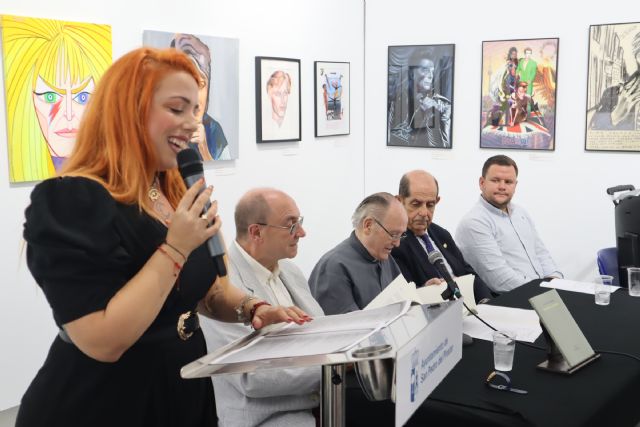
{"x":242,"y":317}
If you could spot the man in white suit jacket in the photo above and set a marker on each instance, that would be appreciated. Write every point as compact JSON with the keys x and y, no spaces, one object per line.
{"x":268,"y":227}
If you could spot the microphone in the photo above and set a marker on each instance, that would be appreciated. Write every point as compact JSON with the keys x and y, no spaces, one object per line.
{"x":452,"y":292}
{"x":437,"y":260}
{"x":191,"y":169}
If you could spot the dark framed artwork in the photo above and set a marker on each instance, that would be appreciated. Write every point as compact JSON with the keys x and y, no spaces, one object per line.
{"x":278,"y":117}
{"x":420,"y":96}
{"x":331,"y":98}
{"x":613,"y":88}
{"x":518,"y":94}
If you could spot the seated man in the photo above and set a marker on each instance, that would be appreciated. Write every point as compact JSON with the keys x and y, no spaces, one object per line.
{"x":498,"y":238}
{"x":419,"y":194}
{"x":352,"y":274}
{"x":268,"y":227}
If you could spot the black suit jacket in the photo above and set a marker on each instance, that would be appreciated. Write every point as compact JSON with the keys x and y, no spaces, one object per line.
{"x":412,"y":260}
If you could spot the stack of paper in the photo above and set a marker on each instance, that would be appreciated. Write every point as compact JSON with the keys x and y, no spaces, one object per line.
{"x":573,"y":286}
{"x":524,"y":323}
{"x":401,"y":290}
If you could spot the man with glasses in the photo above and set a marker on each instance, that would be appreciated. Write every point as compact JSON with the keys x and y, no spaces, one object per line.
{"x":353,"y":273}
{"x":268,"y":228}
{"x":419,"y":194}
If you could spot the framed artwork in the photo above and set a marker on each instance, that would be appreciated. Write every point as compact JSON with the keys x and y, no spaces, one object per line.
{"x":518,"y":94}
{"x":420,"y":96}
{"x":331,"y":97}
{"x":613,"y":88}
{"x":278,"y":117}
{"x":51,"y":69}
{"x":217,"y":59}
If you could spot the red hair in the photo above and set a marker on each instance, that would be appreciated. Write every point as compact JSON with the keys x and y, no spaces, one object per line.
{"x":113,"y":145}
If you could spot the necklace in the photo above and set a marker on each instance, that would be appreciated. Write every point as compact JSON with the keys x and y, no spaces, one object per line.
{"x":154,"y":193}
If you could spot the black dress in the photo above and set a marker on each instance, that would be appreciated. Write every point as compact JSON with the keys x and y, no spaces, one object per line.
{"x":82,"y":247}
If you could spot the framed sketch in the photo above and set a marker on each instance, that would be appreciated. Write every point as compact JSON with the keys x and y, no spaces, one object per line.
{"x":217,"y":60}
{"x":613,"y":88}
{"x":331,"y":98}
{"x":278,"y":117}
{"x":518,"y":94}
{"x":420,"y":96}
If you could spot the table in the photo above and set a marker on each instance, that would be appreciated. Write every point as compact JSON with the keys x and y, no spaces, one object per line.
{"x":605,"y":393}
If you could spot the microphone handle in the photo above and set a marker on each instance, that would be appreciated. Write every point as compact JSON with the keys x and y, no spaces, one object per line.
{"x":214,"y":245}
{"x":452,"y":288}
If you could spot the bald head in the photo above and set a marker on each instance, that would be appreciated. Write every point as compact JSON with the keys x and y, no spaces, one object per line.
{"x":419,"y":194}
{"x":264,"y":219}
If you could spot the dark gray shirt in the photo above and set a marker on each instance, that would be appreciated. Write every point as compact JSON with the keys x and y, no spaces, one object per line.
{"x":347,"y":277}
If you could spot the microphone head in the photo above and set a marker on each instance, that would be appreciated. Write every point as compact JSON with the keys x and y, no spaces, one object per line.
{"x":435,"y":256}
{"x":189,"y":162}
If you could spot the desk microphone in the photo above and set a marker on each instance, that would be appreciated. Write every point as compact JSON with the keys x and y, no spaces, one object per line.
{"x":437,"y":260}
{"x":192,"y":170}
{"x":452,"y":292}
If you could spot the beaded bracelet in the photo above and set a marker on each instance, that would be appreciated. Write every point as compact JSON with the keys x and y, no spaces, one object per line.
{"x":184,"y":258}
{"x":177,"y":267}
{"x":255,"y":308}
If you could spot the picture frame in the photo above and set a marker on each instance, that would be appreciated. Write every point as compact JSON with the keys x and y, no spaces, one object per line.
{"x":612,"y":120}
{"x":278,"y":106}
{"x":420,"y":95}
{"x":217,"y":61}
{"x":332,"y":110}
{"x":518,"y":94}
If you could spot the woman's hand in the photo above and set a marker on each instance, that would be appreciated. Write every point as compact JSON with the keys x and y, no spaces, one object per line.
{"x":267,"y":315}
{"x":189,"y":228}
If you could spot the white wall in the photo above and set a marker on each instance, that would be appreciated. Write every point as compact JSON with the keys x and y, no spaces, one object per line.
{"x":564,"y":191}
{"x":324,"y":175}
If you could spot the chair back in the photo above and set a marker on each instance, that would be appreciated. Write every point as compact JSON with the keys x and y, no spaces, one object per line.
{"x":608,"y":263}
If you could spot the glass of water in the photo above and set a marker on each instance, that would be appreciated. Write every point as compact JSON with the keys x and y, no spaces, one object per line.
{"x":602,"y":289}
{"x":504,"y":346}
{"x":633,"y":279}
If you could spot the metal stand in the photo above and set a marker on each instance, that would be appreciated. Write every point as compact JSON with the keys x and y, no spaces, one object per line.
{"x":555,"y":360}
{"x":333,"y":396}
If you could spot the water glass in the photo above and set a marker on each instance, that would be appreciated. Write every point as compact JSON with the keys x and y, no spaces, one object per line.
{"x":602,"y":289}
{"x":504,"y":346}
{"x":633,"y":279}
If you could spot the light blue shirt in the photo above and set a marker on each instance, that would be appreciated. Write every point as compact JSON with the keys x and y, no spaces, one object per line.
{"x":503,"y":248}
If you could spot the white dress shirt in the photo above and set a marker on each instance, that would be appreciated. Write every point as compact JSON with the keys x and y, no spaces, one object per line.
{"x":271,"y":279}
{"x":504,"y":248}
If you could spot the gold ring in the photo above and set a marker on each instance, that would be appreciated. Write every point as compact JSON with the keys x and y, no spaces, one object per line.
{"x":204,"y":216}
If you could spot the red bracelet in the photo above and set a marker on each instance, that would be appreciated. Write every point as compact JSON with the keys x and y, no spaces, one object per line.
{"x":255,"y":308}
{"x":176,"y":265}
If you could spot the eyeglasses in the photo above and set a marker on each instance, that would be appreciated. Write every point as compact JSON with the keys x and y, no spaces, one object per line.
{"x":394,"y":236}
{"x":293,"y":228}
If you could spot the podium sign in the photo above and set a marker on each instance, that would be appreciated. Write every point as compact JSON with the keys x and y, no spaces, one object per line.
{"x":425,"y":360}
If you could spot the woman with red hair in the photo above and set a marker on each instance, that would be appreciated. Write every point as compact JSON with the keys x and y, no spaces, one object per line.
{"x":117,"y":244}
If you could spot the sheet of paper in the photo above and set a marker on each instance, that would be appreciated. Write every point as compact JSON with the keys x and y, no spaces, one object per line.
{"x":324,"y":335}
{"x":573,"y":286}
{"x":525,"y":323}
{"x":398,"y":290}
{"x":432,"y":294}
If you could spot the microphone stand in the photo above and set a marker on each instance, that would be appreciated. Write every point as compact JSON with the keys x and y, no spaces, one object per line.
{"x":452,"y":292}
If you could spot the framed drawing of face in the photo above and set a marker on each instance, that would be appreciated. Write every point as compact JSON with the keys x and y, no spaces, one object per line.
{"x":331,"y":96}
{"x":278,"y":117}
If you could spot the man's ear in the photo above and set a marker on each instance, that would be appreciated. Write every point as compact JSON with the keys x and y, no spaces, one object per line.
{"x":437,"y":200}
{"x":367,"y":224}
{"x":255,"y":232}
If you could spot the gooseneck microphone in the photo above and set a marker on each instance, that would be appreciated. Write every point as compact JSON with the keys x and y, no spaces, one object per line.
{"x":437,"y":260}
{"x":191,"y":169}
